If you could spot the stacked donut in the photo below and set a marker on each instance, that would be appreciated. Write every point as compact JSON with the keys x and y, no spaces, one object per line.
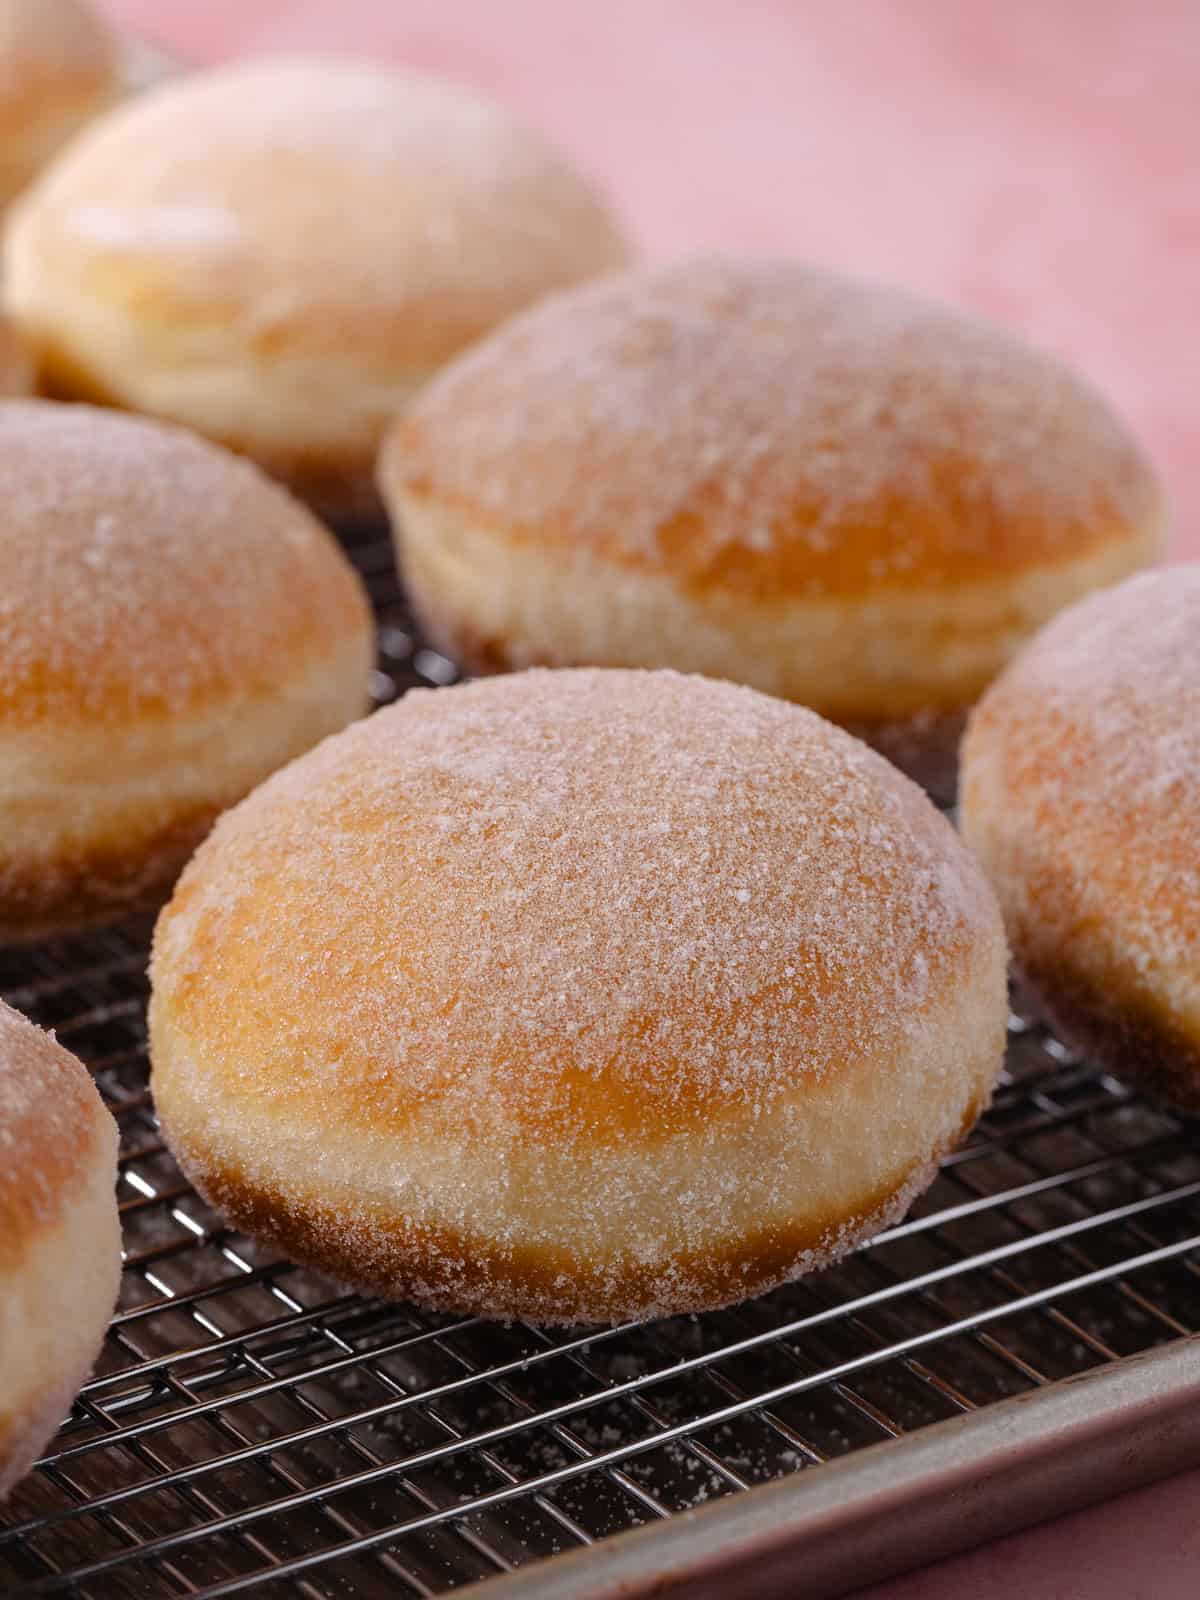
{"x":629,"y":987}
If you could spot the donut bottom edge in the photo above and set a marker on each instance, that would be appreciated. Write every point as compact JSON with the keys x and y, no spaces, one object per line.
{"x":94,"y":886}
{"x":899,"y":668}
{"x":336,"y":480}
{"x":444,"y":1270}
{"x":96,"y":822}
{"x":58,"y":1294}
{"x":1121,"y":1031}
{"x":924,"y":745}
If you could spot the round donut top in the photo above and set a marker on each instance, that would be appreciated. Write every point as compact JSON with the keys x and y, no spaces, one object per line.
{"x":50,"y":1114}
{"x":146,"y":570}
{"x":772,"y":427}
{"x":54,"y":54}
{"x":587,"y":903}
{"x":320,"y":201}
{"x":1097,"y":723}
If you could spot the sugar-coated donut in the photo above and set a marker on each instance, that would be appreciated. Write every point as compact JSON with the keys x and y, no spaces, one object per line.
{"x":576,"y":996}
{"x":59,"y":65}
{"x":173,"y":626}
{"x":830,"y":490}
{"x":277,"y":253}
{"x":1081,"y":795}
{"x":60,"y":1240}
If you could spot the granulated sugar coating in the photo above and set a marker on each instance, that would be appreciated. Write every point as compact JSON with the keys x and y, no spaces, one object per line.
{"x":49,"y":1108}
{"x":1082,"y":792}
{"x":773,"y":427}
{"x":328,"y":202}
{"x":146,"y":571}
{"x":576,"y":994}
{"x":173,"y":627}
{"x":60,"y":1236}
{"x":1119,"y":675}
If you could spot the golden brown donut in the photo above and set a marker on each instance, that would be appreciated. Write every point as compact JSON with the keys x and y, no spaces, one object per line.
{"x":173,"y":626}
{"x":60,"y":1240}
{"x":576,"y":996}
{"x":278,"y":253}
{"x":1081,"y":796}
{"x":16,"y":366}
{"x":59,"y":65}
{"x":828,"y":489}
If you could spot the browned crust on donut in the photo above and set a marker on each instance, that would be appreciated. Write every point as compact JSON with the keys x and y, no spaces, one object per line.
{"x":925,"y":746}
{"x":16,"y":363}
{"x":1119,"y":1030}
{"x":583,"y":1107}
{"x":340,"y":491}
{"x":392,"y":1256}
{"x":845,"y":569}
{"x":479,"y":655}
{"x":99,"y":884}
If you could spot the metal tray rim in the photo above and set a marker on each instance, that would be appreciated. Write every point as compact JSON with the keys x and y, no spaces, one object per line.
{"x":901,"y":1504}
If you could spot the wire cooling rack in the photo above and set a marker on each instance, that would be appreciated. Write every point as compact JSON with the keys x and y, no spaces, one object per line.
{"x":251,"y":1427}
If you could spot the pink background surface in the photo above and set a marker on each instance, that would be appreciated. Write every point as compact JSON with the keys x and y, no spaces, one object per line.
{"x":1037,"y":160}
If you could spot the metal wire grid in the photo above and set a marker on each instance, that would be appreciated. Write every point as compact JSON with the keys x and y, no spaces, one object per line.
{"x":252,"y":1425}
